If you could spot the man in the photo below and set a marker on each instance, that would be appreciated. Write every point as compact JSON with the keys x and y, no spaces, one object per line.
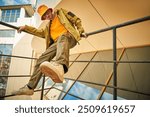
{"x":62,"y":33}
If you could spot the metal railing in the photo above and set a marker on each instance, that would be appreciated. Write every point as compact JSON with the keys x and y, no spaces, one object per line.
{"x":114,"y":29}
{"x":114,"y":61}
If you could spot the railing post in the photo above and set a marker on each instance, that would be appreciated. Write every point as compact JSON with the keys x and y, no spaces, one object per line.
{"x":42,"y":92}
{"x":114,"y":64}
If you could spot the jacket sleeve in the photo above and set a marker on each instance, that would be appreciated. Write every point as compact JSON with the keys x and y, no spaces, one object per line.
{"x":74,"y":20}
{"x":35,"y":31}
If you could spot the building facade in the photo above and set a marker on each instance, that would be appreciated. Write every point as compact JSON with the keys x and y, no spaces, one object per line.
{"x":10,"y":40}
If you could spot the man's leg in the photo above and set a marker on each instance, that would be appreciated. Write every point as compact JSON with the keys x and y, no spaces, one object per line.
{"x":29,"y":88}
{"x":48,"y":55}
{"x":64,"y":43}
{"x":62,"y":61}
{"x":56,"y":69}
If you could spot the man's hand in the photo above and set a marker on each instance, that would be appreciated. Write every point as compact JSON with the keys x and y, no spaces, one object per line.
{"x":84,"y":35}
{"x":21,"y":28}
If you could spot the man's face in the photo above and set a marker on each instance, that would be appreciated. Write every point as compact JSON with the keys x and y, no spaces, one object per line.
{"x":47,"y":15}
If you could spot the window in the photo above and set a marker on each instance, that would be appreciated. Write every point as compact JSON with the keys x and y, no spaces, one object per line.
{"x":4,"y":66}
{"x":10,"y":15}
{"x":7,"y":33}
{"x":4,"y":60}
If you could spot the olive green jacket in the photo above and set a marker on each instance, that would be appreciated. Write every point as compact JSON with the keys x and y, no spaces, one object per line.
{"x":70,"y":21}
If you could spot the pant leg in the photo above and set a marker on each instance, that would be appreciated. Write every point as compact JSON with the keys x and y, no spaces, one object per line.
{"x":64,"y":43}
{"x":48,"y":55}
{"x":61,"y":50}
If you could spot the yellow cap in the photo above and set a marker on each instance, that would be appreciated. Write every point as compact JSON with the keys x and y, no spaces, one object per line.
{"x":42,"y":9}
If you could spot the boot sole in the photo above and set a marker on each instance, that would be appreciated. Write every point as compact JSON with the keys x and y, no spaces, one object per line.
{"x":51,"y":73}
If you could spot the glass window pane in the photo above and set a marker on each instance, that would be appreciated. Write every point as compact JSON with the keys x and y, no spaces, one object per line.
{"x":8,"y":12}
{"x":18,"y":11}
{"x":7,"y":33}
{"x":3,"y":12}
{"x":4,"y":66}
{"x":6,"y":19}
{"x":10,"y":15}
{"x":13,"y":11}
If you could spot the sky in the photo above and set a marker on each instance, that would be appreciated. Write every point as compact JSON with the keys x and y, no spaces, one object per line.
{"x":13,"y":2}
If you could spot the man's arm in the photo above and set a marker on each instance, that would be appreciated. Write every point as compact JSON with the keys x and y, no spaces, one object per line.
{"x":32,"y":30}
{"x":74,"y":20}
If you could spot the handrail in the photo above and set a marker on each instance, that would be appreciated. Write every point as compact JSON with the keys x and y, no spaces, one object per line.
{"x":14,"y":27}
{"x":146,"y":18}
{"x":93,"y":61}
{"x":113,"y":28}
{"x":9,"y":25}
{"x":97,"y":31}
{"x":17,"y":56}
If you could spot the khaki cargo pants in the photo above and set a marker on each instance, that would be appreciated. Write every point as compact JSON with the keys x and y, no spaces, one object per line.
{"x":60,"y":49}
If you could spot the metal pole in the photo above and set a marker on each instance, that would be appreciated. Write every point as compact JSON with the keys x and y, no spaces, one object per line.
{"x":14,"y":27}
{"x":17,"y":56}
{"x":146,"y":18}
{"x":114,"y":65}
{"x":42,"y":92}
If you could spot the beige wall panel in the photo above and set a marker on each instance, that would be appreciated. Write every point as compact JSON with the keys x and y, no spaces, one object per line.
{"x":135,"y":35}
{"x":20,"y":66}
